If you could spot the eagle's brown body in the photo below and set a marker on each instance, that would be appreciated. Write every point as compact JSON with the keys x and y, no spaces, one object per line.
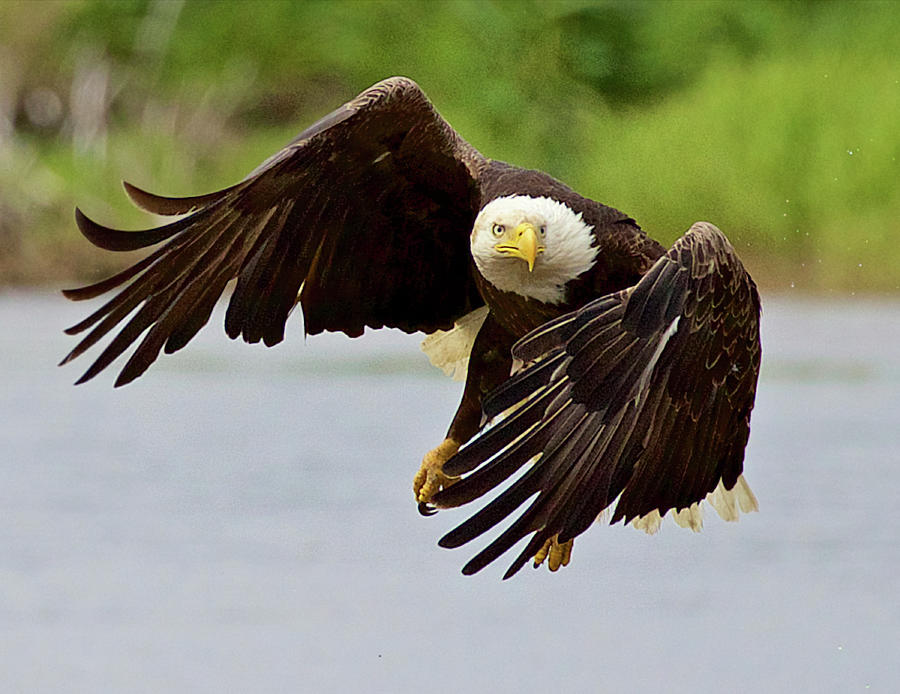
{"x":365,"y":220}
{"x":626,"y":254}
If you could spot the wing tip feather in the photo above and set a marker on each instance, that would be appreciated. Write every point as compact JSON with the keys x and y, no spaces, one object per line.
{"x":171,"y":206}
{"x":139,"y":197}
{"x":88,"y":227}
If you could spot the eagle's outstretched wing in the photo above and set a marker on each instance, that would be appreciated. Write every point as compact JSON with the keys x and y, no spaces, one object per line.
{"x":369,"y":211}
{"x":643,"y":395}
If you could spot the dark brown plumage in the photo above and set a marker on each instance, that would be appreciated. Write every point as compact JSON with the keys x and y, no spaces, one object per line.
{"x":637,"y":386}
{"x":619,"y":399}
{"x":402,"y":190}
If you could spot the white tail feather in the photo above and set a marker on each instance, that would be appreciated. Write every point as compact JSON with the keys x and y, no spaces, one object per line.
{"x":746,"y":498}
{"x":690,"y":517}
{"x":726,"y":502}
{"x":449,"y":350}
{"x":649,"y":523}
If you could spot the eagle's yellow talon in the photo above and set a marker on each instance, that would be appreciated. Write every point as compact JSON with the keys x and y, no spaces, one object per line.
{"x":560,"y":554}
{"x":430,"y":478}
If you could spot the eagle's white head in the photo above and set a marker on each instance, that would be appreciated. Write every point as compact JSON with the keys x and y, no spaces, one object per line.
{"x":532,"y":246}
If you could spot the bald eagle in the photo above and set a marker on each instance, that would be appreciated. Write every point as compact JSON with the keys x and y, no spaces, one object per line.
{"x":601,"y":368}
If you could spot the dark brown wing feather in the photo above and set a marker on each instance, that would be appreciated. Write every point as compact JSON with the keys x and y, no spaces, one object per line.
{"x":643,"y":395}
{"x":369,"y":210}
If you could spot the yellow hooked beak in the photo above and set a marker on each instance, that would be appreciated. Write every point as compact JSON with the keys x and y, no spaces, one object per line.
{"x":522,"y":242}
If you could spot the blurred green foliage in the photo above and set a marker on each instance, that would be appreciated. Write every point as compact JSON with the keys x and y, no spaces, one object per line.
{"x":778,"y":121}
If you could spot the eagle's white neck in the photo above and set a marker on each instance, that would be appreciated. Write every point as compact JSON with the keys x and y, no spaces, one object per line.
{"x":569,"y":242}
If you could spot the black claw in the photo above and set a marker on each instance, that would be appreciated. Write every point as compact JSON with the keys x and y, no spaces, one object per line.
{"x":426,"y":510}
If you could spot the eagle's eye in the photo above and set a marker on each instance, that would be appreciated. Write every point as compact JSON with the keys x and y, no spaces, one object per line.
{"x":543,"y":229}
{"x":497,"y":229}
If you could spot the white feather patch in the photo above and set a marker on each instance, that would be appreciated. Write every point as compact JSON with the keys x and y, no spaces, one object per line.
{"x":726,"y":502}
{"x":649,"y":523}
{"x":449,"y":350}
{"x":690,"y":517}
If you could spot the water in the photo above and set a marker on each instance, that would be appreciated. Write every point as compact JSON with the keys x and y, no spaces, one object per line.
{"x":241,"y":519}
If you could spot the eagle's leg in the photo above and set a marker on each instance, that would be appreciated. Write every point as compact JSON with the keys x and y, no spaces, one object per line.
{"x":559,"y":554}
{"x":430,"y":478}
{"x":489,"y":366}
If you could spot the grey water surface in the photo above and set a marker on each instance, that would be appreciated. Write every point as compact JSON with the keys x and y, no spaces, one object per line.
{"x":241,"y":520}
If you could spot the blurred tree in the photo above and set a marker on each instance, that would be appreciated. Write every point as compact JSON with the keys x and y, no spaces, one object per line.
{"x":639,"y":52}
{"x":775,"y":120}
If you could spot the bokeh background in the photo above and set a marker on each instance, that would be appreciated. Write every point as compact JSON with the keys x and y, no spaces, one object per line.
{"x":240,"y":518}
{"x":778,"y":121}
